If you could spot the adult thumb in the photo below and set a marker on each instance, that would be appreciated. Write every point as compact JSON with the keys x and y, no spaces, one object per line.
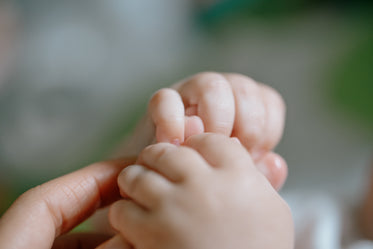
{"x":45,"y":212}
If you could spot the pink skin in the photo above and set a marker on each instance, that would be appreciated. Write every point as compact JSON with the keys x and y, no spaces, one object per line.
{"x":202,"y":195}
{"x":54,"y":208}
{"x":42,"y":214}
{"x":229,"y":104}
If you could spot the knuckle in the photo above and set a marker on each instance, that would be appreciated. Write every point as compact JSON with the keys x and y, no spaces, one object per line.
{"x":252,"y":129}
{"x":149,"y":149}
{"x":210,"y":81}
{"x":274,"y":96}
{"x":252,"y":136}
{"x":247,"y":88}
{"x":163,"y":152}
{"x":153,"y":153}
{"x":241,"y":78}
{"x":211,"y":139}
{"x":161,"y":95}
{"x":208,"y":75}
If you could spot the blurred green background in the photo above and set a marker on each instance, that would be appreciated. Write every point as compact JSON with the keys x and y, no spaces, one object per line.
{"x":75,"y":76}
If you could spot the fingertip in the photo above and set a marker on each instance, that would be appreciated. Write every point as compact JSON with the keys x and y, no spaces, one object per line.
{"x":274,"y":168}
{"x":209,"y":95}
{"x":122,"y":180}
{"x":166,"y":109}
{"x":281,"y":167}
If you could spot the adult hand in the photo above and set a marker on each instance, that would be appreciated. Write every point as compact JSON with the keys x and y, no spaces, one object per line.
{"x":50,"y":210}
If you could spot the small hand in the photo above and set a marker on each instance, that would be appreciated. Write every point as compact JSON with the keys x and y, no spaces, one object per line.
{"x":204,"y":194}
{"x":229,"y":104}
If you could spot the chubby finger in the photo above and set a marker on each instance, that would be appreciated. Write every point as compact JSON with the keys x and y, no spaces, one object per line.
{"x":210,"y":97}
{"x":274,"y":168}
{"x":166,"y":109}
{"x":260,"y":114}
{"x":193,"y":126}
{"x":116,"y":242}
{"x":220,"y":151}
{"x":276,"y":112}
{"x":129,"y":219}
{"x":175,"y":163}
{"x":146,"y":187}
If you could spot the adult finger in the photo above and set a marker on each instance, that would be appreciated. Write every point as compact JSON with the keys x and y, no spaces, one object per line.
{"x":49,"y":210}
{"x":209,"y":96}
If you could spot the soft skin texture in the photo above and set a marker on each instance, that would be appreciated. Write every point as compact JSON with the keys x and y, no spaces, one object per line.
{"x":225,"y":103}
{"x":46,"y":212}
{"x":202,"y":195}
{"x":210,"y":102}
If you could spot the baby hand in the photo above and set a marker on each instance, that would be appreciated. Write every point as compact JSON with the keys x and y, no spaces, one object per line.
{"x":229,"y":104}
{"x":205,"y":194}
